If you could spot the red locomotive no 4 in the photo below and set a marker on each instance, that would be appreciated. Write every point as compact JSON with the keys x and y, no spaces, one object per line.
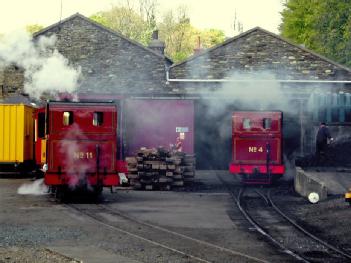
{"x":257,"y":146}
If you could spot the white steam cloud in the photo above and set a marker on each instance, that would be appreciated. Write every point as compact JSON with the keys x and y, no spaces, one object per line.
{"x":45,"y":69}
{"x":36,"y":188}
{"x":76,"y":169}
{"x":254,"y":91}
{"x":244,"y":91}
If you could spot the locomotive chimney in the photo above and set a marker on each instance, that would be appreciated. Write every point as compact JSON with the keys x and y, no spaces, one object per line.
{"x":156,"y":44}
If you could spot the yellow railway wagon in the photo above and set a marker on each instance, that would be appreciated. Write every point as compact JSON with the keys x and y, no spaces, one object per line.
{"x":16,"y":134}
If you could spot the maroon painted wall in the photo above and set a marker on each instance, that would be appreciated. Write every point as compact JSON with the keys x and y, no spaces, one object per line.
{"x":153,"y":122}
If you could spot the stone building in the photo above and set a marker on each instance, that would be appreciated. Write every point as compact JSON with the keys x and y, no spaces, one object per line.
{"x":109,"y":61}
{"x":258,"y":70}
{"x":255,"y":70}
{"x":259,"y":50}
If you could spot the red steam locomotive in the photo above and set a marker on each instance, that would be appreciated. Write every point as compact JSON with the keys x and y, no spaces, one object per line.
{"x":76,"y":142}
{"x":257,"y":146}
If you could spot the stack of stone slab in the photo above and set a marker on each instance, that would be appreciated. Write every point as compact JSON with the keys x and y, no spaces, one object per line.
{"x":160,"y":169}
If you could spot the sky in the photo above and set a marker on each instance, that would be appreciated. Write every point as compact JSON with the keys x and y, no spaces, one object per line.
{"x":219,"y":14}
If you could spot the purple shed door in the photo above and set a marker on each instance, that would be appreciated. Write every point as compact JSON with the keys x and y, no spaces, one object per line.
{"x":151,"y":123}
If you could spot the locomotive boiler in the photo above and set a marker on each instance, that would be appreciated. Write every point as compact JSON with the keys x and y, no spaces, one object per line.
{"x":257,"y":146}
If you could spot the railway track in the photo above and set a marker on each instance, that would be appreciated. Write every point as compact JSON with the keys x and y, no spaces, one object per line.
{"x":329,"y":246}
{"x":259,"y":209}
{"x":185,"y":246}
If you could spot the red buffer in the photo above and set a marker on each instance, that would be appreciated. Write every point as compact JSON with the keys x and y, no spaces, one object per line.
{"x":257,"y":146}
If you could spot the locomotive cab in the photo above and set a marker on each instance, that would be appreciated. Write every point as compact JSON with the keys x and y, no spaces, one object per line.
{"x":257,"y":146}
{"x":40,"y":137}
{"x":81,"y":146}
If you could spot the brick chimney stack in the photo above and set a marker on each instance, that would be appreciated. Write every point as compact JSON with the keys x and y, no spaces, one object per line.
{"x":156,"y":44}
{"x":2,"y":82}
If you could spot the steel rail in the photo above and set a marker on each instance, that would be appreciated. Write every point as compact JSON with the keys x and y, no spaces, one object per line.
{"x":266,"y":200}
{"x":222,"y":249}
{"x":257,"y":227}
{"x":263,"y":232}
{"x":99,"y":221}
{"x":292,"y":222}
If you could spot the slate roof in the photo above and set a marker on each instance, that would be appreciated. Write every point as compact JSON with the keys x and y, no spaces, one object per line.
{"x":109,"y":61}
{"x":216,"y":59}
{"x":101,"y":27}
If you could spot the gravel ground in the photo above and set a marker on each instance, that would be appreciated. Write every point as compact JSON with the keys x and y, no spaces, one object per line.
{"x":27,"y":235}
{"x":30,"y":224}
{"x":30,"y":255}
{"x":329,"y":219}
{"x":25,"y":230}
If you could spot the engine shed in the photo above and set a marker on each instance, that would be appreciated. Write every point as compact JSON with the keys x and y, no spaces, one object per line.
{"x":256,"y":70}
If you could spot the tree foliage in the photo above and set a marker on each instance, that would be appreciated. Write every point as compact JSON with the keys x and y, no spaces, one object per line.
{"x":181,"y":37}
{"x":321,"y":25}
{"x":126,"y":21}
{"x":174,"y":27}
{"x":33,"y":28}
{"x":176,"y":31}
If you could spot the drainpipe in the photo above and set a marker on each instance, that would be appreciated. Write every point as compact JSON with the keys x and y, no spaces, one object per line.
{"x":302,"y":128}
{"x":167,"y":75}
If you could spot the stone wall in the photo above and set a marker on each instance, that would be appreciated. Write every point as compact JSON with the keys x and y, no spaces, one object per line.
{"x":11,"y":81}
{"x":305,"y":184}
{"x":109,"y":62}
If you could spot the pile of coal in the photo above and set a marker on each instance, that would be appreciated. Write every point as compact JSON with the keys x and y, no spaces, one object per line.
{"x":337,"y":154}
{"x":160,"y":169}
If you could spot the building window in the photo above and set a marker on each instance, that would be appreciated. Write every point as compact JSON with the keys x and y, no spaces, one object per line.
{"x":267,"y":123}
{"x":246,"y":123}
{"x":331,"y":108}
{"x":335,"y":116}
{"x":98,"y":118}
{"x":67,"y":118}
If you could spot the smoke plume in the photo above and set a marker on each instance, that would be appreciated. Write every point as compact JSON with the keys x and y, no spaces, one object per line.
{"x":254,"y":91}
{"x":46,"y":71}
{"x":36,"y":188}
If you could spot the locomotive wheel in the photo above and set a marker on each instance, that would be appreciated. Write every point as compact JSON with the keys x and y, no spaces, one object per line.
{"x":60,"y":193}
{"x":97,"y":191}
{"x":275,"y":179}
